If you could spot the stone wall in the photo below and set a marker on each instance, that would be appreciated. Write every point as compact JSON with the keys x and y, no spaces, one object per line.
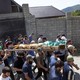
{"x":29,"y":21}
{"x":51,"y":27}
{"x":74,"y":24}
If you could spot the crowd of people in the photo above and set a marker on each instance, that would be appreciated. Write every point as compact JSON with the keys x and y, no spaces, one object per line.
{"x":51,"y":65}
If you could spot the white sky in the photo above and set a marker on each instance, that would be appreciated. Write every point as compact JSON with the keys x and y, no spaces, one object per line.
{"x":60,"y":4}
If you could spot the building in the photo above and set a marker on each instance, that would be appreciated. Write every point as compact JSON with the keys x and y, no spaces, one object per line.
{"x":13,"y":18}
{"x":46,"y":20}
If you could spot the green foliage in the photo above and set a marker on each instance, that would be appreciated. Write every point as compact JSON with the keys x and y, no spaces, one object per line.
{"x":76,"y":13}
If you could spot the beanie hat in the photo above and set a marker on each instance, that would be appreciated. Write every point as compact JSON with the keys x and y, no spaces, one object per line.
{"x":29,"y":57}
{"x":39,"y":49}
{"x":70,"y":58}
{"x":71,"y":47}
{"x":20,"y":53}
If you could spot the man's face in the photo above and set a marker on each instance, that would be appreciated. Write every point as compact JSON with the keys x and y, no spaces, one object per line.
{"x":30,"y":61}
{"x":41,"y":53}
{"x":59,"y":68}
{"x":71,"y":62}
{"x":7,"y":74}
{"x":57,"y":55}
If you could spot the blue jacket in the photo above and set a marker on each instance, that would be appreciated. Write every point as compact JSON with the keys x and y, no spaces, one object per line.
{"x":68,"y":73}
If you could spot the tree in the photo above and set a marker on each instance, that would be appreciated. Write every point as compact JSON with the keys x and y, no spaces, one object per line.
{"x":75,"y":13}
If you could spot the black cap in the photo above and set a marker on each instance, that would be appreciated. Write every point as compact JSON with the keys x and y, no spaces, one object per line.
{"x":39,"y":49}
{"x":20,"y":53}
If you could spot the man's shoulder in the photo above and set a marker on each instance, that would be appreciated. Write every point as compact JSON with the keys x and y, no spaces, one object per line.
{"x":2,"y":65}
{"x":24,"y":65}
{"x":25,"y":68}
{"x":30,"y":35}
{"x":66,"y":64}
{"x":1,"y":78}
{"x":8,"y":78}
{"x":38,"y":58}
{"x":52,"y":57}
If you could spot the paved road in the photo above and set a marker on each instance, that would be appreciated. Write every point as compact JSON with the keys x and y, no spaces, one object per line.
{"x":77,"y":61}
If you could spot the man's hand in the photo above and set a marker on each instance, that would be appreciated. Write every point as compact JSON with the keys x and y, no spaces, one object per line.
{"x":45,"y":69}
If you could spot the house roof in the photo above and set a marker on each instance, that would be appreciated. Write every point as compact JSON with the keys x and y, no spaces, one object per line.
{"x":45,"y":12}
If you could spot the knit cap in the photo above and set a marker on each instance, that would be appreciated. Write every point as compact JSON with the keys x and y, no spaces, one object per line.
{"x":70,"y":58}
{"x":71,"y":47}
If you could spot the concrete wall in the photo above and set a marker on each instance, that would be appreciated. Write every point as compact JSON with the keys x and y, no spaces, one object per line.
{"x":5,"y":6}
{"x":11,"y":24}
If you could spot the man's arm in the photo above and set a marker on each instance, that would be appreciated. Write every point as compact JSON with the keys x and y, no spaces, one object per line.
{"x":76,"y":66}
{"x":16,"y":69}
{"x":41,"y":66}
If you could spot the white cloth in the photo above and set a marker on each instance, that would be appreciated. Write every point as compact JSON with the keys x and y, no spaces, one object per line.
{"x":7,"y":78}
{"x":64,"y":38}
{"x":52,"y":72}
{"x":40,"y":40}
{"x":71,"y":47}
{"x":57,"y":40}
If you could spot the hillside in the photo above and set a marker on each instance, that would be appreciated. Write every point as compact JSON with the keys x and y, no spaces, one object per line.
{"x":72,"y":8}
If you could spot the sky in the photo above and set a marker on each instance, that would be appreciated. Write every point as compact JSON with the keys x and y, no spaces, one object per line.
{"x":60,"y":4}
